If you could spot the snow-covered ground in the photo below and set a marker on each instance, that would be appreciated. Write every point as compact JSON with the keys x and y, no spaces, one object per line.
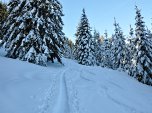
{"x":28,"y":88}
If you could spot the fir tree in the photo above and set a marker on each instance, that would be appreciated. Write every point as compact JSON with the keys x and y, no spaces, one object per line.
{"x":142,"y":60}
{"x":72,"y":46}
{"x":75,"y":51}
{"x":106,"y":34}
{"x":97,"y":44}
{"x":107,"y":51}
{"x":84,"y":42}
{"x":33,"y":30}
{"x":68,"y":49}
{"x":118,"y":46}
{"x":129,"y":51}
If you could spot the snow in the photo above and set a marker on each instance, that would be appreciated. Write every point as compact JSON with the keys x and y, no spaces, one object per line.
{"x":72,"y":88}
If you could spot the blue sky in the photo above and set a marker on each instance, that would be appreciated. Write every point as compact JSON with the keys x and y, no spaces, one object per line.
{"x":101,"y":14}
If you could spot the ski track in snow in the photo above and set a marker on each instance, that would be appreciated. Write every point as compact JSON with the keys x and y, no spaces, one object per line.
{"x":49,"y":96}
{"x":127,"y":107}
{"x":73,"y":95}
{"x":63,"y":101}
{"x":104,"y":91}
{"x":116,"y":101}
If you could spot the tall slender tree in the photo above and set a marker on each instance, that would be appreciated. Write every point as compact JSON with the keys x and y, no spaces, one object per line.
{"x":142,"y":60}
{"x":68,"y":48}
{"x":118,"y":46}
{"x":98,"y":55}
{"x":129,"y":51}
{"x":107,"y":51}
{"x":33,"y":30}
{"x":84,"y":42}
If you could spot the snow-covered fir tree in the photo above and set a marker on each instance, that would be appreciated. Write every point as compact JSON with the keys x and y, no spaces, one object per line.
{"x":106,"y":34}
{"x":118,"y":46}
{"x":72,"y":46}
{"x":142,"y":60}
{"x":84,"y":42}
{"x":102,"y":50}
{"x":75,"y":52}
{"x":68,"y":48}
{"x":98,"y":55}
{"x":33,"y":30}
{"x":129,"y":51}
{"x":107,"y":51}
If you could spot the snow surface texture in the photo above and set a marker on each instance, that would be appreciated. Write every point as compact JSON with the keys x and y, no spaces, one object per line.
{"x":29,"y":88}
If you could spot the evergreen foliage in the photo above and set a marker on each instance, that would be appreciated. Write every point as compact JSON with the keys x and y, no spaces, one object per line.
{"x":33,"y":30}
{"x":3,"y":16}
{"x":118,"y":47}
{"x":75,"y":50}
{"x":98,"y":50}
{"x":107,"y":51}
{"x":129,"y":51}
{"x":84,"y":43}
{"x":131,"y":33}
{"x":142,"y":59}
{"x":68,"y":49}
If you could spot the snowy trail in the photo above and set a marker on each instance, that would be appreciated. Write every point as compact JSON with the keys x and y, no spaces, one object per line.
{"x":72,"y":93}
{"x":61,"y":96}
{"x":62,"y":105}
{"x":67,"y":100}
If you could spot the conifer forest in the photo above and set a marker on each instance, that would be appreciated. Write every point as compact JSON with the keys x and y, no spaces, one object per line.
{"x":31,"y":32}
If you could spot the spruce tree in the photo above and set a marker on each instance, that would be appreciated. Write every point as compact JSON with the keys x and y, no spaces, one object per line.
{"x":97,"y":44}
{"x":33,"y":30}
{"x":75,"y":51}
{"x":118,"y":46}
{"x":84,"y":42}
{"x":142,"y":60}
{"x":129,"y":51}
{"x":107,"y":51}
{"x":72,"y":47}
{"x":68,"y":48}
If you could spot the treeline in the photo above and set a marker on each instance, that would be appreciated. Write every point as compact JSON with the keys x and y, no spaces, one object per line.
{"x":32,"y":31}
{"x":132,"y":54}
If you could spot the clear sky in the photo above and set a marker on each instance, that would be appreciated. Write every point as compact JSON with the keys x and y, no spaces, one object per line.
{"x":101,"y":14}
